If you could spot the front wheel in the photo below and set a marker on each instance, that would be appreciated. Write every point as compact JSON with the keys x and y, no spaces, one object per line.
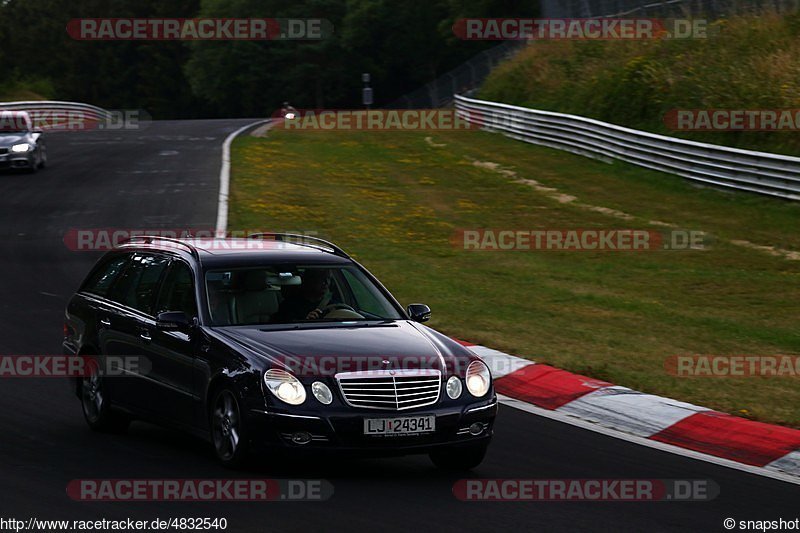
{"x":459,"y":458}
{"x":98,"y":413}
{"x":227,"y":429}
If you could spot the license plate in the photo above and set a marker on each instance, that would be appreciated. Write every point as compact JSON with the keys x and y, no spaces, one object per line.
{"x":404,"y":425}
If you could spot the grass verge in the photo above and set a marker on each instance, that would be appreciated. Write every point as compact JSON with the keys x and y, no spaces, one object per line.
{"x":394,"y":200}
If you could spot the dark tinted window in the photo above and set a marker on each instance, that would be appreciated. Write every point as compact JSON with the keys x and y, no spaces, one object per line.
{"x":137,"y":286}
{"x":177,"y":291}
{"x":104,"y":275}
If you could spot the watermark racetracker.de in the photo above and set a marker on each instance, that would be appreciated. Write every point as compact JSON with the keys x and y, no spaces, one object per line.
{"x":195,"y":490}
{"x":199,"y":29}
{"x":105,"y":239}
{"x":591,"y":239}
{"x":55,"y":120}
{"x":379,"y":120}
{"x":582,"y":490}
{"x":732,"y":120}
{"x":72,"y":366}
{"x":626,"y":29}
{"x":733,"y":366}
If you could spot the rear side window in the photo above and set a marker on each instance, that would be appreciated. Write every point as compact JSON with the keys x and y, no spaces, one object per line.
{"x":104,"y":276}
{"x":137,"y":286}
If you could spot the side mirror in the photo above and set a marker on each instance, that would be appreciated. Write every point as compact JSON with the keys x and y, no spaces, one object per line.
{"x":172,"y":321}
{"x":419,"y":312}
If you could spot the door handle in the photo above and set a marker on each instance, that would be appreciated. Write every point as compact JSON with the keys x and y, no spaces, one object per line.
{"x":105,"y":322}
{"x":145,"y":335}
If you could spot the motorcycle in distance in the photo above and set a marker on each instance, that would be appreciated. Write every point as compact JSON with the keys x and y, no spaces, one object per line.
{"x":288,"y":112}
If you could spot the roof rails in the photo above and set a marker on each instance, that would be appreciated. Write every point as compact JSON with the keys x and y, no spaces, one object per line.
{"x":151,"y":239}
{"x":302,"y":240}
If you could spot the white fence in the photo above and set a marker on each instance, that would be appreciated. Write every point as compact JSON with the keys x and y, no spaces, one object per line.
{"x":759,"y":172}
{"x":54,"y":115}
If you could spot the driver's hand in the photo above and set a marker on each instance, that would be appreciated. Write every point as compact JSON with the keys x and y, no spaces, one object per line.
{"x":314,"y":315}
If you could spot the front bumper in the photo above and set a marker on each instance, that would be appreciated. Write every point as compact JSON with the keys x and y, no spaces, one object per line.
{"x":22,"y":161}
{"x":342,"y":430}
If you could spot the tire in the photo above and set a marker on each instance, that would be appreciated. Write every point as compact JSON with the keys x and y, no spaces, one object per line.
{"x":228,"y":431}
{"x":459,"y":458}
{"x":43,"y":157}
{"x":99,"y":415}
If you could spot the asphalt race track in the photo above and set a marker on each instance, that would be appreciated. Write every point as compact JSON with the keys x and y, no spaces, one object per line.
{"x":167,"y":176}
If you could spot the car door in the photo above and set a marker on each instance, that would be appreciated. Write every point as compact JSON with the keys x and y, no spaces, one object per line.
{"x":132,"y":299}
{"x":101,"y":320}
{"x":173,"y":352}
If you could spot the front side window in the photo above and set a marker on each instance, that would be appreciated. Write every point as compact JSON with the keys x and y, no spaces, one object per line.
{"x":284,"y":294}
{"x":177,"y":291}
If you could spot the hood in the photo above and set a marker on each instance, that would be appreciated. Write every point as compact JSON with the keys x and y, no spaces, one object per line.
{"x":328,"y":350}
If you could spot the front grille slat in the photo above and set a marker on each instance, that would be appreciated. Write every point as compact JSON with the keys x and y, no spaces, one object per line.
{"x":423,"y":393}
{"x":355,"y":395}
{"x":392,"y":390}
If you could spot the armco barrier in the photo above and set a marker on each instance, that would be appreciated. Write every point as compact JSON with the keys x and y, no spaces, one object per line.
{"x":759,"y":172}
{"x":48,"y":109}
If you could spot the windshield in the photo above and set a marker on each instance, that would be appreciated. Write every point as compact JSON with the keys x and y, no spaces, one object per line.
{"x":286,"y":294}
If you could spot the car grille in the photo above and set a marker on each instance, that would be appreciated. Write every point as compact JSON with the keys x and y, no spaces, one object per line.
{"x":3,"y":151}
{"x":391,"y":390}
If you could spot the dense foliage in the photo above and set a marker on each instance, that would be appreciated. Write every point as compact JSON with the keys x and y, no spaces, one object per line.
{"x":402,"y":44}
{"x":752,"y":63}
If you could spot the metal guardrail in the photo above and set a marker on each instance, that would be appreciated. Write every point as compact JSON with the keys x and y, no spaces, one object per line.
{"x":759,"y":172}
{"x":53,"y":114}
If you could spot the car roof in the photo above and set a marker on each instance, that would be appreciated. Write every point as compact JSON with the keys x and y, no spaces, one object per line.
{"x":222,"y":253}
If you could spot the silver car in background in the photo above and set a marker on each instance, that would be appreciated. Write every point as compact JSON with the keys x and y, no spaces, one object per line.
{"x":21,"y":145}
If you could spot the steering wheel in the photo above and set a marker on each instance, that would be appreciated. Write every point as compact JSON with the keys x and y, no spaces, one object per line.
{"x":333,"y":307}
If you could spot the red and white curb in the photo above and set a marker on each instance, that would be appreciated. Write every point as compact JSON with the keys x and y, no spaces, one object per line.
{"x":645,"y":418}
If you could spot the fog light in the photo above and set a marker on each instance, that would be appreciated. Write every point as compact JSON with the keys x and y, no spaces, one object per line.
{"x":301,"y":437}
{"x":322,"y":392}
{"x":453,"y":387}
{"x":476,"y":429}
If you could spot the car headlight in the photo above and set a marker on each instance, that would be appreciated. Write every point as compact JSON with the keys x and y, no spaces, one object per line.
{"x":322,"y":392}
{"x":454,"y":387}
{"x":478,"y":379}
{"x":20,"y":148}
{"x":290,"y":116}
{"x":285,"y":386}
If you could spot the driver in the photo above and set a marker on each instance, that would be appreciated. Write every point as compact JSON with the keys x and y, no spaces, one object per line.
{"x":308,"y":303}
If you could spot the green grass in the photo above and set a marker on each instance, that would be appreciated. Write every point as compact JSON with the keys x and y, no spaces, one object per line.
{"x":394,"y":201}
{"x":746,"y":63}
{"x":12,"y":89}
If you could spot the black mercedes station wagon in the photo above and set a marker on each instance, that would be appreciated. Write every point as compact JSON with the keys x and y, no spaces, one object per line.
{"x":276,"y":341}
